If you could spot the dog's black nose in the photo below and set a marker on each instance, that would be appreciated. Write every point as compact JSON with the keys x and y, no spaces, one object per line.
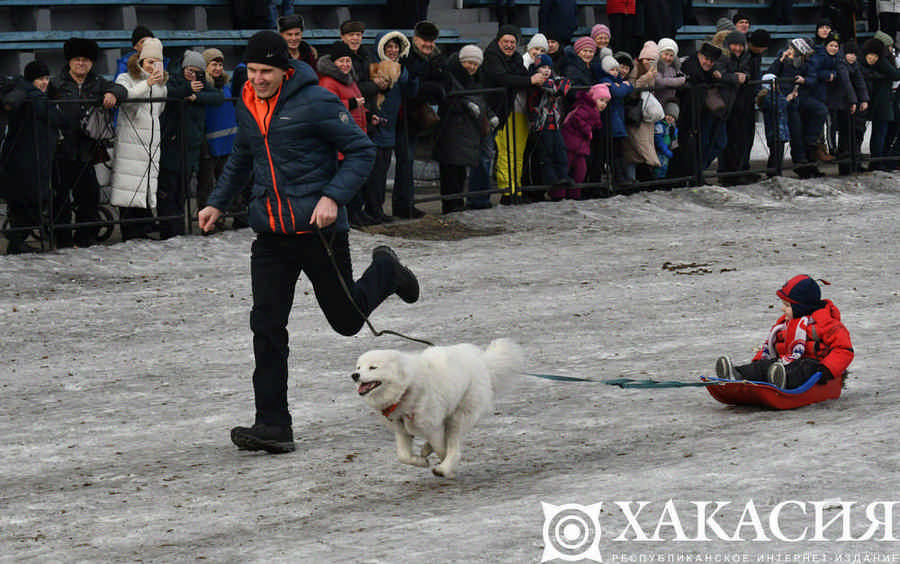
{"x":355,"y":376}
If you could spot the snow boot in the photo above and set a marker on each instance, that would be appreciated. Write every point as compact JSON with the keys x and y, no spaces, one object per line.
{"x":724,"y":369}
{"x":274,"y":439}
{"x":407,"y":283}
{"x":777,"y":375}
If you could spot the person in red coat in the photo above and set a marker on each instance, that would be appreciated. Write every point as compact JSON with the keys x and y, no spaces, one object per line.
{"x":336,"y":75}
{"x":808,"y":338}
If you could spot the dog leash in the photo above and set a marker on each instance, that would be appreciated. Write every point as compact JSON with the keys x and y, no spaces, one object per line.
{"x":349,"y":295}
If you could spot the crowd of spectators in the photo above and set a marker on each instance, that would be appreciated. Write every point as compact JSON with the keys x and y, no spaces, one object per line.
{"x":562,"y":113}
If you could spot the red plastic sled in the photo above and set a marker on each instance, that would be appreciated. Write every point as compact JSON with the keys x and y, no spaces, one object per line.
{"x":762,"y":393}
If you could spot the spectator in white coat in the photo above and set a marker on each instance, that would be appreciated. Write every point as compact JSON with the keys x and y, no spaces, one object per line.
{"x":136,"y":160}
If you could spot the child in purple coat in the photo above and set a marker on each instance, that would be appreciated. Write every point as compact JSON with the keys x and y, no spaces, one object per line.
{"x":577,"y":131}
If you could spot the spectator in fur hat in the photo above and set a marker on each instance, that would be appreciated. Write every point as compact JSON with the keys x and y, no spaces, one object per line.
{"x":76,"y":153}
{"x":291,"y":28}
{"x":741,"y":121}
{"x":879,"y":74}
{"x":808,"y":338}
{"x":741,"y":22}
{"x":362,"y":58}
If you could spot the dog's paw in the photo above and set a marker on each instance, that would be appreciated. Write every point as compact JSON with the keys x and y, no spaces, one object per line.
{"x":415,"y":461}
{"x":443,"y":472}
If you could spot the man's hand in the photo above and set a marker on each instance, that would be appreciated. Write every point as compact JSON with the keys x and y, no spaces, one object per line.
{"x":207,"y":218}
{"x":538,"y":79}
{"x":742,"y":77}
{"x":325,"y":212}
{"x":196,"y":85}
{"x":109,"y":100}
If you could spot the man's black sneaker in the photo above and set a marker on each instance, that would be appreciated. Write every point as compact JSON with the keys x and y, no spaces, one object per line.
{"x":407,"y":283}
{"x":274,"y":439}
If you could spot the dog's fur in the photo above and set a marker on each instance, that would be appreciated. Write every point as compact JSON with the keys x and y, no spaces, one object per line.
{"x":390,"y":72}
{"x":438,"y":394}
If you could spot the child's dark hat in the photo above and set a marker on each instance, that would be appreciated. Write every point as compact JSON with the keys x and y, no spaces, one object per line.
{"x":802,"y":293}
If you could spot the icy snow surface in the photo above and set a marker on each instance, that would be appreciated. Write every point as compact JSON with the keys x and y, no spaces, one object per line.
{"x":124,"y":367}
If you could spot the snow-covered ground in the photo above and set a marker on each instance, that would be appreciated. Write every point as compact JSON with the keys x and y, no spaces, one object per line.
{"x":123,"y":367}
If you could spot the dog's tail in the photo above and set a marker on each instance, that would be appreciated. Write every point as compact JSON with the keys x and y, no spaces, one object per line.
{"x":504,"y":358}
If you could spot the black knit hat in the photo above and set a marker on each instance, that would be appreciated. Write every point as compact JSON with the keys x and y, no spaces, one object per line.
{"x":139,"y":33}
{"x":352,"y":26}
{"x":36,"y":69}
{"x":735,"y":38}
{"x":292,"y":21}
{"x":710,"y":51}
{"x":873,"y":46}
{"x":830,"y":37}
{"x":851,"y":48}
{"x":81,"y":47}
{"x":823,"y":22}
{"x":426,"y":30}
{"x":340,"y":49}
{"x":509,"y":29}
{"x":802,"y":293}
{"x":759,"y":38}
{"x":738,"y":17}
{"x":267,"y":47}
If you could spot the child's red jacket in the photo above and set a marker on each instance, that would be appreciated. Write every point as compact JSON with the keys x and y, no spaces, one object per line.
{"x":828,"y":341}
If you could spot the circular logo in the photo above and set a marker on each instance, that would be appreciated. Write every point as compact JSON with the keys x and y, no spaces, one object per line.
{"x":572,"y":532}
{"x":344,"y":117}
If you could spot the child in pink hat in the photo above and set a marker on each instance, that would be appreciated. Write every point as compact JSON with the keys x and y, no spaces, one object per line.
{"x":577,"y":131}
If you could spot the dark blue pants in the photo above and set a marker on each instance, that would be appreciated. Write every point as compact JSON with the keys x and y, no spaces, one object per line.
{"x":404,"y":188}
{"x":480,"y":176}
{"x":276,"y":262}
{"x":551,"y":156}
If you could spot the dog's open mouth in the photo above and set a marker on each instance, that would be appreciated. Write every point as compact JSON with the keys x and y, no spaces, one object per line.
{"x":366,"y":387}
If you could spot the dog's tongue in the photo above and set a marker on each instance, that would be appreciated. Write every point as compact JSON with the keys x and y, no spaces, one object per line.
{"x":366,"y":387}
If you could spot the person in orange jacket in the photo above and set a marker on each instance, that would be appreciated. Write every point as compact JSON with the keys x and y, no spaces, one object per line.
{"x":808,"y":338}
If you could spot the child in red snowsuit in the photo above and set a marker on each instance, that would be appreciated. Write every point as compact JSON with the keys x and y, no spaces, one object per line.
{"x":808,"y":338}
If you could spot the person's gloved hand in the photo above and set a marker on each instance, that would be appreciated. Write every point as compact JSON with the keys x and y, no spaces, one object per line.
{"x":495,"y":122}
{"x":473,"y":109}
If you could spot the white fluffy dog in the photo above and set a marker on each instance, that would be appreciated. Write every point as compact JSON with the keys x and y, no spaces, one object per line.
{"x":438,"y":394}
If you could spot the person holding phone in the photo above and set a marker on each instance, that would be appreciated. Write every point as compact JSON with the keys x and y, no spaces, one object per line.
{"x":136,"y":158}
{"x":187,"y":83}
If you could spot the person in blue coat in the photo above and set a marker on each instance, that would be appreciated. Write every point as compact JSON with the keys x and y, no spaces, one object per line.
{"x":619,"y":88}
{"x":290,"y":131}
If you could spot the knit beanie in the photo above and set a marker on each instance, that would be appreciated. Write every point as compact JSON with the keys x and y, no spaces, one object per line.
{"x":802,"y":293}
{"x":267,"y":47}
{"x":599,"y":92}
{"x":667,"y":44}
{"x":151,"y":49}
{"x":509,"y":29}
{"x":539,"y":40}
{"x":624,"y":58}
{"x":195,"y":59}
{"x":851,"y":48}
{"x":81,"y":47}
{"x":36,"y":69}
{"x":541,"y":61}
{"x":735,"y":38}
{"x":471,"y":53}
{"x":822,"y":23}
{"x":609,"y":63}
{"x":802,"y":45}
{"x":339,"y":50}
{"x":605,"y":52}
{"x":598,"y":29}
{"x":759,"y":38}
{"x":724,"y":23}
{"x":672,"y":109}
{"x":584,"y":43}
{"x":292,"y":21}
{"x":139,"y":33}
{"x":873,"y":46}
{"x":649,"y":51}
{"x":212,"y":54}
{"x":829,"y":38}
{"x":884,"y":38}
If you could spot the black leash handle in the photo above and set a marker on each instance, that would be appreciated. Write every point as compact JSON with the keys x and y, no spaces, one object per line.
{"x":349,"y":295}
